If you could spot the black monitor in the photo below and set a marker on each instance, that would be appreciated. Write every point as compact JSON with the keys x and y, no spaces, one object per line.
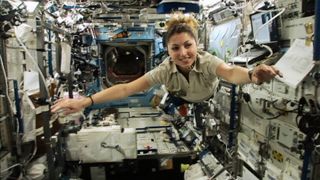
{"x":269,"y":33}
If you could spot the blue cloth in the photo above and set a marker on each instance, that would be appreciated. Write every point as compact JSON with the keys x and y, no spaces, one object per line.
{"x":173,"y":102}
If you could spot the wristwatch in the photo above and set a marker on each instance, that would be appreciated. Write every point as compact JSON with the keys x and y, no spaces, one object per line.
{"x":250,"y":72}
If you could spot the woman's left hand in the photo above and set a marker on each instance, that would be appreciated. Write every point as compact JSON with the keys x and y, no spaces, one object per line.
{"x":264,"y":73}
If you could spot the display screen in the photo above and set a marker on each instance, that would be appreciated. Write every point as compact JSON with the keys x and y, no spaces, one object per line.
{"x":266,"y":34}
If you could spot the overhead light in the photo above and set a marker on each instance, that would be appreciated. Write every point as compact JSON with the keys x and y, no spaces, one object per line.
{"x":31,"y":5}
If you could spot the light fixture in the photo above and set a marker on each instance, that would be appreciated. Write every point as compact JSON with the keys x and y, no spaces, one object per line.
{"x":31,"y":5}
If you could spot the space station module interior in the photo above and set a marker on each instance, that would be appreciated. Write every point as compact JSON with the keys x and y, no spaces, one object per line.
{"x":53,"y":49}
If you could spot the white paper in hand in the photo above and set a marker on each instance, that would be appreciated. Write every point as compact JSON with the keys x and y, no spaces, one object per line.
{"x":296,"y":63}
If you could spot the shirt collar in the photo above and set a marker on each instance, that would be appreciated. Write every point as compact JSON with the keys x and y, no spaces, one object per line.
{"x":196,"y":68}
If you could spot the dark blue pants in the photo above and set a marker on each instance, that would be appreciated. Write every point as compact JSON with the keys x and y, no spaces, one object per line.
{"x":173,"y":102}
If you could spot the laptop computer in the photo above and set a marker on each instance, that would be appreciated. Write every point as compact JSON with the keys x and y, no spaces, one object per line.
{"x":264,"y":33}
{"x":252,"y":56}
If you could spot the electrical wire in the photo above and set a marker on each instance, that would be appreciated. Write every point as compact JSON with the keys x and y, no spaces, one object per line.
{"x":316,"y":150}
{"x":11,"y":103}
{"x":270,"y":20}
{"x":271,"y":94}
{"x":284,"y":110}
{"x":227,"y":151}
{"x":268,"y":48}
{"x":5,"y":170}
{"x":261,"y":117}
{"x":297,"y":120}
{"x":33,"y":154}
{"x":12,"y":109}
{"x":264,"y":46}
{"x":3,"y":118}
{"x":247,"y":62}
{"x":6,"y":81}
{"x":32,"y":60}
{"x":8,"y":97}
{"x":253,"y":112}
{"x":317,"y":146}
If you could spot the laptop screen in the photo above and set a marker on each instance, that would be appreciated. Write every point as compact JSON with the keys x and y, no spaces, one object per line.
{"x":264,"y":34}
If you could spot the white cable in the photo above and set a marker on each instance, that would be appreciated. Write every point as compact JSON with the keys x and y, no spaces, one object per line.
{"x":268,"y":48}
{"x":82,"y":114}
{"x":32,"y":60}
{"x":8,"y":97}
{"x":33,"y":154}
{"x":256,"y":33}
{"x":316,"y":149}
{"x":92,"y":33}
{"x":227,"y":151}
{"x":270,"y":20}
{"x":7,"y":94}
{"x":5,"y":170}
{"x":2,"y":118}
{"x":316,"y":136}
{"x":6,"y":81}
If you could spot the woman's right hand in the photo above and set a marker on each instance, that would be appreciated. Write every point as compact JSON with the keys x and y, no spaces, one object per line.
{"x":68,"y":106}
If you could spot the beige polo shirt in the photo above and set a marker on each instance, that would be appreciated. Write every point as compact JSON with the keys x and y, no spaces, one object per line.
{"x":202,"y":78}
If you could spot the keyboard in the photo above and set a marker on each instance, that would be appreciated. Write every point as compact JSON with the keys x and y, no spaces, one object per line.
{"x":252,"y":56}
